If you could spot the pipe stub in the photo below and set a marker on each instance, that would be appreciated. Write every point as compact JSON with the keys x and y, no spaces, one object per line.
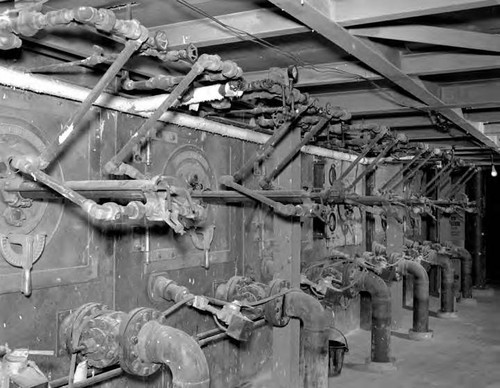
{"x":274,"y":311}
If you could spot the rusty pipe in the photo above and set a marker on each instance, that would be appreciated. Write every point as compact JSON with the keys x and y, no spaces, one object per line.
{"x":415,"y":159}
{"x":466,"y":269}
{"x":70,"y":129}
{"x":420,"y":298}
{"x":314,"y":336}
{"x":381,"y":316}
{"x":176,"y":349}
{"x":447,"y":282}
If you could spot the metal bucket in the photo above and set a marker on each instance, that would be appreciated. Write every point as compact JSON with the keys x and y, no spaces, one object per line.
{"x":336,"y":352}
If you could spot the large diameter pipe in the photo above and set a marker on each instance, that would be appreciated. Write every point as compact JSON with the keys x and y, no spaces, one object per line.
{"x":420,"y":329}
{"x":314,"y":337}
{"x":139,"y":107}
{"x":465,"y":270}
{"x":381,"y":316}
{"x":447,"y":283}
{"x":176,"y":349}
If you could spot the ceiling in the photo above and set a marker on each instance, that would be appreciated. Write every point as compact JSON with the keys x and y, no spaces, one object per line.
{"x":428,"y":68}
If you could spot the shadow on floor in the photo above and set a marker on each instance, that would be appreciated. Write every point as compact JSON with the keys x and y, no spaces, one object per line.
{"x":400,"y":335}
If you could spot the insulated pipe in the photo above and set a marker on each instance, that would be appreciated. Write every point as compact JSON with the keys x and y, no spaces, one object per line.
{"x":447,"y":281}
{"x":420,"y":328}
{"x":45,"y":85}
{"x":381,"y":316}
{"x":314,"y":336}
{"x":176,"y":349}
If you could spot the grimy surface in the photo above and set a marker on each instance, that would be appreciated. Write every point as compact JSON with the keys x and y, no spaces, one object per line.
{"x":465,"y":352}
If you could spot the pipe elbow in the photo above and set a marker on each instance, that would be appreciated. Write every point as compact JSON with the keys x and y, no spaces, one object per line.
{"x":414,"y":268}
{"x":375,"y":286}
{"x":308,"y":310}
{"x":444,"y":262}
{"x":176,"y":349}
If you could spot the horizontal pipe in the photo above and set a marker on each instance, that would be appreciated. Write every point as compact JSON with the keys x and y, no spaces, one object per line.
{"x":44,"y":85}
{"x":134,"y":190}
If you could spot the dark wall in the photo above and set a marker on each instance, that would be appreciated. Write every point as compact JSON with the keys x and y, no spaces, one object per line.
{"x":491,"y":228}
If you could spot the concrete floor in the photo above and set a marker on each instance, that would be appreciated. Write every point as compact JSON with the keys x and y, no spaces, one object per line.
{"x":465,"y":352}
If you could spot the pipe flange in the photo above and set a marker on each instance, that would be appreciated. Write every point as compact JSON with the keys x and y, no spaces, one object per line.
{"x":129,"y":338}
{"x":76,"y":321}
{"x":274,"y":310}
{"x":420,"y":335}
{"x":152,"y":290}
{"x":447,"y":315}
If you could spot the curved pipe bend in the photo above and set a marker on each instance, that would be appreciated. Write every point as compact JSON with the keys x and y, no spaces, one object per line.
{"x":314,"y":336}
{"x":381,"y":316}
{"x":163,"y":344}
{"x":466,"y":270}
{"x":447,"y":281}
{"x":420,"y":294}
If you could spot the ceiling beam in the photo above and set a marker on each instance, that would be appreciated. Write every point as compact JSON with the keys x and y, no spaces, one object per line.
{"x":334,"y":73}
{"x":331,"y":30}
{"x":266,"y":23}
{"x":434,"y":36}
{"x":477,"y":96}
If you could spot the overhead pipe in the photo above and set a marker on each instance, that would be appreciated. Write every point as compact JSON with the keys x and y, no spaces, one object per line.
{"x":420,"y":329}
{"x":314,"y":336}
{"x":161,"y":344}
{"x":431,"y":185}
{"x":381,"y":316}
{"x":141,"y":107}
{"x":447,"y":287}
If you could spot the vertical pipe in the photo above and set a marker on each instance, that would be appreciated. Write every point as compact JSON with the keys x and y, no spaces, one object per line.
{"x":381,"y":316}
{"x":447,"y":283}
{"x":420,"y":329}
{"x":314,"y":335}
{"x":479,"y":279}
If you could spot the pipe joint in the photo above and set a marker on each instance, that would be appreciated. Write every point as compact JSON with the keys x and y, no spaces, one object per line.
{"x":176,"y":349}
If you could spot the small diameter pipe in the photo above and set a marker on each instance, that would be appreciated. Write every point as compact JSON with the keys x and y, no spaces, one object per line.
{"x":267,"y":148}
{"x":109,"y":211}
{"x":147,"y":126}
{"x":381,"y":316}
{"x":372,"y":165}
{"x":420,"y":298}
{"x":141,"y":107}
{"x":452,"y":189}
{"x":365,"y":152}
{"x":314,"y":336}
{"x":431,"y":185}
{"x":90,"y":380}
{"x":70,"y":129}
{"x":403,"y":179}
{"x":265,"y":181}
{"x":176,"y":349}
{"x":404,"y":169}
{"x":447,"y":282}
